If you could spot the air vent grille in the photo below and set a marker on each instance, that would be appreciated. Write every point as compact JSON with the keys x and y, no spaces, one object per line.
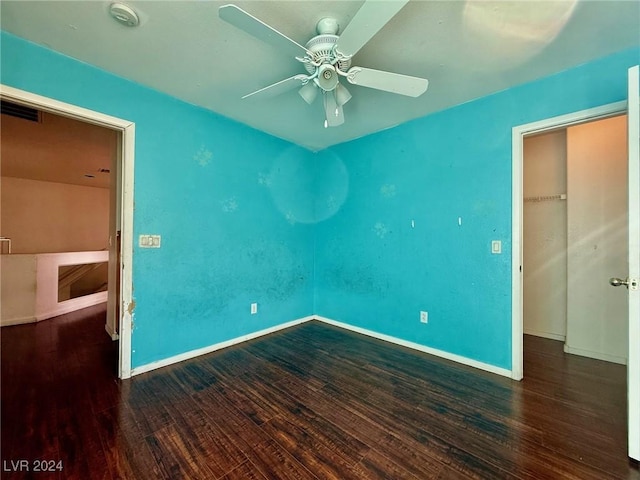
{"x":19,"y":111}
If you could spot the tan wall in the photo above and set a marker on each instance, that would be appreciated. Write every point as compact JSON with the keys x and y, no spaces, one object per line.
{"x":545,"y":236}
{"x":46,"y":217}
{"x":18,"y":289}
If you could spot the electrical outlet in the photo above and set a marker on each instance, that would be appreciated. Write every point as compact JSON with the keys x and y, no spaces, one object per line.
{"x":254,"y":308}
{"x":424,"y":317}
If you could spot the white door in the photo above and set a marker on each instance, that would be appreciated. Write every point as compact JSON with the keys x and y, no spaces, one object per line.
{"x":633,"y":368}
{"x":597,"y":239}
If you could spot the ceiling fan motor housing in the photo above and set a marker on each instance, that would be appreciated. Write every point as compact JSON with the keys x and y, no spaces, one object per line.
{"x":321,"y":46}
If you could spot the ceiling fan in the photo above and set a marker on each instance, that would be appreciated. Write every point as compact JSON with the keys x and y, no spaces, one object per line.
{"x":327,"y":57}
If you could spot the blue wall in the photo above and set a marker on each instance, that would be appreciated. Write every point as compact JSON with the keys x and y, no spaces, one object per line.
{"x":209,"y":186}
{"x":246,"y":217}
{"x":376,"y":271}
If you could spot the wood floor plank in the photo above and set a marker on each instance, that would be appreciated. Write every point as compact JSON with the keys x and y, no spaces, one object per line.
{"x":246,"y":471}
{"x":162,"y":446}
{"x":178,"y":457}
{"x":234,"y":422}
{"x":415,"y":456}
{"x":274,"y":461}
{"x":126,"y":451}
{"x":327,"y":432}
{"x":307,"y":403}
{"x":436,"y":440}
{"x":324,"y":462}
{"x":500,"y":428}
{"x":208,"y":442}
{"x":80,"y":445}
{"x":376,"y":465}
{"x":145,"y":396}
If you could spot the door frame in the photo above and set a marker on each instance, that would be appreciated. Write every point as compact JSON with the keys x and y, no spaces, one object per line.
{"x":126,"y":151}
{"x":518,"y":134}
{"x":633,"y":362}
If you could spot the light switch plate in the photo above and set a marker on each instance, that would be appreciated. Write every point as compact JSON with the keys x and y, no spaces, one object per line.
{"x":149,"y":241}
{"x":496,"y":246}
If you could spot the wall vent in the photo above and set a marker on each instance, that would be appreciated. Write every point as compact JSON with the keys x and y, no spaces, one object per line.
{"x":19,"y":111}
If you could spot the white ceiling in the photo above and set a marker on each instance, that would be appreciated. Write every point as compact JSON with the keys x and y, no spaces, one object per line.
{"x":467,"y":49}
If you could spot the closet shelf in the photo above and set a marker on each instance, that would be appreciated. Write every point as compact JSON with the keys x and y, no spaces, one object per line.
{"x":545,"y":198}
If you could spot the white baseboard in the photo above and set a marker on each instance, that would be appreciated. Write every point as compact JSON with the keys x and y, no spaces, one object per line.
{"x":380,"y":336}
{"x":111,"y":332}
{"x":18,"y":321}
{"x":551,"y":336}
{"x":597,"y":355}
{"x":218,"y":346}
{"x":421,"y":348}
{"x":72,"y":305}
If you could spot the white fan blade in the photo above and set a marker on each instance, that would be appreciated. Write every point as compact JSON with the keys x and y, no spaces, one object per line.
{"x":277,"y":88}
{"x":333,"y":112}
{"x":369,"y":20}
{"x":253,"y":26}
{"x":387,"y":81}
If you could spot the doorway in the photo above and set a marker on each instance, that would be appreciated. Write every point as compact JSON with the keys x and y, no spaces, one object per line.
{"x":575,"y":237}
{"x":518,"y":133}
{"x":56,"y":192}
{"x":120,"y":309}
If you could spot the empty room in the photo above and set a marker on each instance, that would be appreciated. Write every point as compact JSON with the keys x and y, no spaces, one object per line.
{"x":320,"y":240}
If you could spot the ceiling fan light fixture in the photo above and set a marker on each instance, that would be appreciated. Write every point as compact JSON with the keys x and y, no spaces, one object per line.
{"x":309,"y":92}
{"x":327,"y":77}
{"x":342,"y":94}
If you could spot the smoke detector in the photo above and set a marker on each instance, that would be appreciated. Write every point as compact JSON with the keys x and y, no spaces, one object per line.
{"x":124,"y":14}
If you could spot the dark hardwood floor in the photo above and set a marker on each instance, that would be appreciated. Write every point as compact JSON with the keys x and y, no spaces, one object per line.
{"x":311,"y":402}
